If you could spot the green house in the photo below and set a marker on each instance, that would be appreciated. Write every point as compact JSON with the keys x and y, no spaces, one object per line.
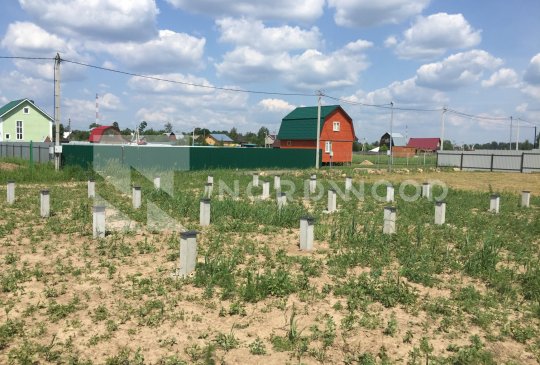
{"x":23,"y":121}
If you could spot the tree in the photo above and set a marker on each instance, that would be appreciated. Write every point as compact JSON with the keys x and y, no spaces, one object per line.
{"x":115,"y":125}
{"x":94,"y":125}
{"x":54,"y":132}
{"x":202,"y":131}
{"x":233,"y":134}
{"x":526,"y":145}
{"x":168,"y":127}
{"x":77,"y":135}
{"x":447,"y":145}
{"x":142,"y":126}
{"x":261,"y":135}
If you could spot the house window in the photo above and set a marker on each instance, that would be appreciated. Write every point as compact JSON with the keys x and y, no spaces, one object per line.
{"x":19,"y":130}
{"x":8,"y":136}
{"x":26,"y":110}
{"x":328,"y":147}
{"x":289,"y":143}
{"x":337,"y":126}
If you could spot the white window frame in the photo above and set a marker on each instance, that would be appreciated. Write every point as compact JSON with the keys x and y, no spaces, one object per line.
{"x":328,"y":146}
{"x":17,"y":130}
{"x":26,"y":110}
{"x":336,"y":126}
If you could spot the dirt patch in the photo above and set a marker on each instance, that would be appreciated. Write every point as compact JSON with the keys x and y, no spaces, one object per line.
{"x":8,"y":166}
{"x":464,"y":180}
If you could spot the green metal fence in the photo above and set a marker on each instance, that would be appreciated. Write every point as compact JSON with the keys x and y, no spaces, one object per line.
{"x":187,"y":158}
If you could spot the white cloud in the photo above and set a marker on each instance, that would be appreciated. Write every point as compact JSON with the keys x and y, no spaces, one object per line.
{"x":247,"y":64}
{"x":505,"y":77}
{"x":532,"y":91}
{"x":457,"y":70}
{"x":206,"y":118}
{"x":309,"y":70}
{"x":16,"y":85}
{"x":532,"y":74}
{"x":168,"y":52}
{"x":359,"y":45}
{"x":96,"y":19}
{"x":434,"y":35}
{"x":527,"y":113}
{"x":405,"y":92}
{"x":276,"y":105}
{"x":522,"y":108}
{"x":364,"y":13}
{"x":313,"y":69}
{"x":253,"y":33}
{"x":301,"y":10}
{"x":163,"y":94}
{"x":156,"y":116}
{"x":391,"y":41}
{"x":187,"y":106}
{"x":24,"y":38}
{"x":84,"y":110}
{"x":180,"y":84}
{"x":28,"y":39}
{"x":109,"y":102}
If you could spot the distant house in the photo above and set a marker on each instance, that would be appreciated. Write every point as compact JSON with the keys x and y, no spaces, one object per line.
{"x":299,"y":130}
{"x":269,"y":140}
{"x":106,"y":134}
{"x":397,"y":140}
{"x":218,"y":139}
{"x":425,"y":144}
{"x":23,"y":121}
{"x":170,"y":136}
{"x":399,"y":145}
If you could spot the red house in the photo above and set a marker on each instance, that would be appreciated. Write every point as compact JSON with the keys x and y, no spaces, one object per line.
{"x":105,"y":134}
{"x":299,"y":130}
{"x":425,"y":144}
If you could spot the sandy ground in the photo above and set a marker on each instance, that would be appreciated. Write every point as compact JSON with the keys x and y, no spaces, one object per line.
{"x":8,"y":166}
{"x":74,"y":265}
{"x":463,"y":180}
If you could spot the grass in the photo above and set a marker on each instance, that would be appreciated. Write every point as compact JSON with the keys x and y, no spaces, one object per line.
{"x":254,"y":297}
{"x":382,"y":160}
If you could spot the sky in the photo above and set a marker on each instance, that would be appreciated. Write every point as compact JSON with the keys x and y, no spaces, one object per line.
{"x":480,"y":58}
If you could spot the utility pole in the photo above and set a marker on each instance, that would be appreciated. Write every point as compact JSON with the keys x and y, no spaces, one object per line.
{"x":391,"y":159}
{"x":534,"y":140}
{"x":517,"y":136}
{"x":317,"y":157}
{"x":97,"y":109}
{"x":443,"y":116}
{"x":511,"y":122}
{"x":57,"y":147}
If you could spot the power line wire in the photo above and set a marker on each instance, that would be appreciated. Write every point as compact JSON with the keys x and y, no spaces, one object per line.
{"x":26,"y":58}
{"x":186,"y":83}
{"x":380,"y":106}
{"x":385,"y":106}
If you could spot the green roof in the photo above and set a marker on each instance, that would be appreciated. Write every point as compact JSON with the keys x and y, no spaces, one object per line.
{"x":301,"y":123}
{"x":13,"y":104}
{"x":9,"y":106}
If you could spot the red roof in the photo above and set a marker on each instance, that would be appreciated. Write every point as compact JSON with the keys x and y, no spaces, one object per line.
{"x":98,"y":132}
{"x":426,"y":144}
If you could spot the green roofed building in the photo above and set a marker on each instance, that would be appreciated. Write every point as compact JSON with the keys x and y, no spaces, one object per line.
{"x":23,"y":121}
{"x":299,"y":130}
